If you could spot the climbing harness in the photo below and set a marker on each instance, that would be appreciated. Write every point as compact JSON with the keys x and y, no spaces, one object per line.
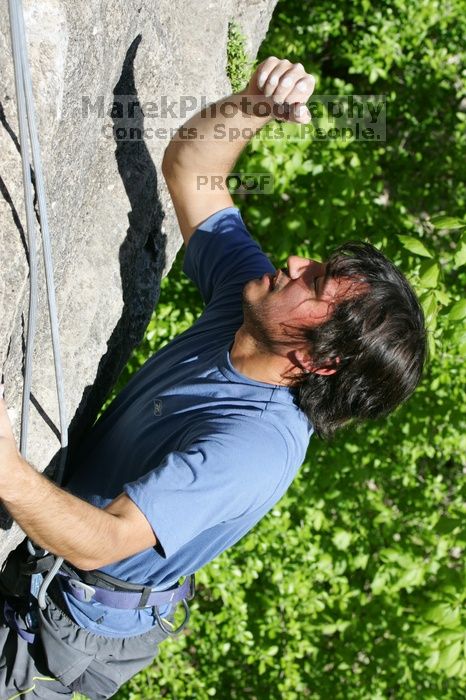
{"x":110,"y":591}
{"x":41,"y":565}
{"x":87,"y":586}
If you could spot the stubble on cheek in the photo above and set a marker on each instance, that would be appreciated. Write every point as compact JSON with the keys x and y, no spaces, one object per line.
{"x":257,"y":323}
{"x":272,"y":337}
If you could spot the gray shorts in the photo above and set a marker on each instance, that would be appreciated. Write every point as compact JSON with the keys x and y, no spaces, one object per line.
{"x":66,"y":658}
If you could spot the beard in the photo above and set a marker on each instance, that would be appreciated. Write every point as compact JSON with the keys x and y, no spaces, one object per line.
{"x":258,"y":321}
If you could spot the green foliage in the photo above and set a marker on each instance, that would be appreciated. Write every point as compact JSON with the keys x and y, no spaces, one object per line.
{"x":353,"y":587}
{"x":238,"y":66}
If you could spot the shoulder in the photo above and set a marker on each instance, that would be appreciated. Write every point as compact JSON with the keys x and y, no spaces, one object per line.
{"x":222,"y":255}
{"x":256,"y":449}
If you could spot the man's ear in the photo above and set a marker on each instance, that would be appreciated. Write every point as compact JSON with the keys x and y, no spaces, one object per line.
{"x":303,"y":360}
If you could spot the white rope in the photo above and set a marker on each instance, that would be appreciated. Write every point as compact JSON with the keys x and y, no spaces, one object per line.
{"x":30,"y":224}
{"x":26,"y":115}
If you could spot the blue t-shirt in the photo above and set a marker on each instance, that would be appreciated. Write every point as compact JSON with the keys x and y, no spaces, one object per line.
{"x":202,"y":450}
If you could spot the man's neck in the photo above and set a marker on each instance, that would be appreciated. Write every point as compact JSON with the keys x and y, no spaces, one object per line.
{"x":255,"y":363}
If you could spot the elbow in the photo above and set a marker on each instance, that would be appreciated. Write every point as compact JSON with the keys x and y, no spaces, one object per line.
{"x":84,"y":564}
{"x":177,"y":158}
{"x":168,"y":159}
{"x":93,"y":563}
{"x":165,"y":163}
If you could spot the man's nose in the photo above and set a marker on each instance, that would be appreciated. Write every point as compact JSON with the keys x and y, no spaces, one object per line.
{"x":297,"y":265}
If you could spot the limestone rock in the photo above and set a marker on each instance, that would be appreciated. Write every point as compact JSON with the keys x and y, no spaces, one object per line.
{"x":114,"y":233}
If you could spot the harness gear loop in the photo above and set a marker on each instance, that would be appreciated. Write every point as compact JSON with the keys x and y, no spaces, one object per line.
{"x":187,"y":612}
{"x":180,"y":628}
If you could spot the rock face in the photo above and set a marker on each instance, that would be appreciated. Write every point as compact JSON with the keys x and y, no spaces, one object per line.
{"x":114,"y":233}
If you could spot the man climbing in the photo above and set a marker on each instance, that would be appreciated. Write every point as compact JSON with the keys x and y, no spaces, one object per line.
{"x":210,"y":433}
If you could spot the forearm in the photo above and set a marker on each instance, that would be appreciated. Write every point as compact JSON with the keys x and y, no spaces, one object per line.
{"x":58,"y":521}
{"x":212,"y":140}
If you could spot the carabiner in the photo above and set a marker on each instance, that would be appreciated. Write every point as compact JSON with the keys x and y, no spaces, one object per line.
{"x":174,"y":633}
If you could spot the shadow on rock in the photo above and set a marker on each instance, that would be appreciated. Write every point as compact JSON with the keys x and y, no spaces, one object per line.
{"x":142,"y":254}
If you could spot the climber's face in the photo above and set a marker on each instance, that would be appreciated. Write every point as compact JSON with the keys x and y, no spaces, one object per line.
{"x":298,"y":296}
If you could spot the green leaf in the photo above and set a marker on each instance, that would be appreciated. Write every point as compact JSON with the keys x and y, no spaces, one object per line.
{"x":460,"y":255}
{"x":449,"y":655}
{"x":457,"y":669}
{"x":429,"y":274}
{"x":379,"y":581}
{"x":448,"y":636}
{"x":450,"y":222}
{"x":360,"y":561}
{"x":429,"y":306}
{"x":414,"y":245}
{"x":444,"y":615}
{"x":272,"y":651}
{"x":341,"y":539}
{"x":389,"y":554}
{"x":432,"y":661}
{"x":443,"y":297}
{"x":373,"y":75}
{"x":413,"y":577}
{"x":426,"y":630}
{"x":431,"y":347}
{"x":458,"y":311}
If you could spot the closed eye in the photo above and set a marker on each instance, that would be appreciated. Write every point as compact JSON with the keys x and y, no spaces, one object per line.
{"x":316,"y":285}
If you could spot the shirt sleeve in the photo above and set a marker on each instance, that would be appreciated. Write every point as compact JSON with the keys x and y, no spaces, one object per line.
{"x":221,"y":255}
{"x":219,"y":478}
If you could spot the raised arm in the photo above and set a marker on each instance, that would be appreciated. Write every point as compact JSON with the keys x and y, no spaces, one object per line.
{"x":209,"y":144}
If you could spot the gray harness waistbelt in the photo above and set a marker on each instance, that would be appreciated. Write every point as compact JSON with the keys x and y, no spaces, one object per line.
{"x":127,"y":596}
{"x":105,"y":589}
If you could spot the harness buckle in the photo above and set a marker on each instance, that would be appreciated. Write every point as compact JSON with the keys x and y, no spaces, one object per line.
{"x":89,"y":592}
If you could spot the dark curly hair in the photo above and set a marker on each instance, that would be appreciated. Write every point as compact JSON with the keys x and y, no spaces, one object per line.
{"x":379,"y":337}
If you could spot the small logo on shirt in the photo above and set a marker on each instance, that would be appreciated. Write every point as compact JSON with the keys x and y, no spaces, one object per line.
{"x":157,"y":407}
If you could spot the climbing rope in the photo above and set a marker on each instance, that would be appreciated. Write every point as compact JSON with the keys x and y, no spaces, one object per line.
{"x":27,"y":124}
